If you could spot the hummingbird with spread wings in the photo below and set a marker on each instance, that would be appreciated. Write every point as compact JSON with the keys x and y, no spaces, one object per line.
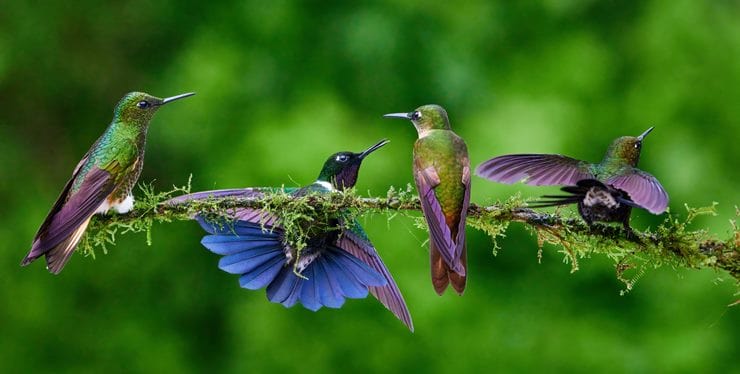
{"x":102,"y":180}
{"x":333,"y":266}
{"x":604,"y":192}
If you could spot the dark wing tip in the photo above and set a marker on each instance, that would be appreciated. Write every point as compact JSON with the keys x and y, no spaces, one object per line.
{"x":27,"y":260}
{"x":389,"y":294}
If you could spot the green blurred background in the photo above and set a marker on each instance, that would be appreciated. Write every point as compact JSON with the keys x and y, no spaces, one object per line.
{"x":281,"y":85}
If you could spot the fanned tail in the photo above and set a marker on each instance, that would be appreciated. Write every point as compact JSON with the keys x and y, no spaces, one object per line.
{"x":331,"y":278}
{"x":258,"y":256}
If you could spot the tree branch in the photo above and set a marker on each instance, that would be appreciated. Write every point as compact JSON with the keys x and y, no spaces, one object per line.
{"x":671,"y":243}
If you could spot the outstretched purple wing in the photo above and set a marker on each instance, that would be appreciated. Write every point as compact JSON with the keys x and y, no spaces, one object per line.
{"x":357,"y":244}
{"x":63,"y":227}
{"x":426,"y":180}
{"x":534,"y":169}
{"x":644,"y":189}
{"x":246,"y":214}
{"x":215,"y":194}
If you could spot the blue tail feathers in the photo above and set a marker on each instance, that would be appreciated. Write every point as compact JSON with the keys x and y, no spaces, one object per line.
{"x":259,"y":257}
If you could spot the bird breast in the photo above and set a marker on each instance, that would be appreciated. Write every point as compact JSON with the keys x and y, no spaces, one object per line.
{"x":599,"y":197}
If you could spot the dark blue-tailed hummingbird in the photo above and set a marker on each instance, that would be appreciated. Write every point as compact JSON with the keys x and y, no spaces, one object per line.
{"x":442,"y":175}
{"x":605,"y":191}
{"x":102,"y":180}
{"x":334,"y":265}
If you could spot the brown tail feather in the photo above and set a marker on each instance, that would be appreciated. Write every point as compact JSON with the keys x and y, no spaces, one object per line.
{"x":442,"y":275}
{"x":458,"y":281}
{"x":440,"y":280}
{"x":58,"y":256}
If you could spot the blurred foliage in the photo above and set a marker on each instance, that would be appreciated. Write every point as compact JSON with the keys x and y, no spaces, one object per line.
{"x":283,"y":84}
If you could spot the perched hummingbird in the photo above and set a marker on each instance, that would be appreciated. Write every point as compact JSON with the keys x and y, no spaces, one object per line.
{"x":333,"y":266}
{"x":102,"y":180}
{"x":604,"y":192}
{"x":442,"y":176}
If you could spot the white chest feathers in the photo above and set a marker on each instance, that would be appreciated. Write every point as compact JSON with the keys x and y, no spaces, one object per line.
{"x":600,"y":197}
{"x":325,"y":184}
{"x":120,"y":206}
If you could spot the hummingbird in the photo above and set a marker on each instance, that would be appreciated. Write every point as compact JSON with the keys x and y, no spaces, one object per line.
{"x":605,"y":191}
{"x":102,"y":180}
{"x":334,"y":265}
{"x":442,"y":175}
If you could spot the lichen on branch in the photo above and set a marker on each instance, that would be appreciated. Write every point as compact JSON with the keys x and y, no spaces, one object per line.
{"x":672,"y":243}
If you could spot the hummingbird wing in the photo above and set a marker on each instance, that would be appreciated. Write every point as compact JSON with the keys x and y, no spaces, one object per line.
{"x":357,"y":243}
{"x":246,"y":214}
{"x":643,"y":188}
{"x":426,"y":180}
{"x":460,"y":240}
{"x":535,"y":169}
{"x":252,"y":192}
{"x":66,"y":222}
{"x":458,"y":280}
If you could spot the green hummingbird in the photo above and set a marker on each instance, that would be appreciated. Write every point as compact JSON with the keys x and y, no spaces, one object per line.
{"x":102,"y":180}
{"x":442,"y":176}
{"x":605,"y":191}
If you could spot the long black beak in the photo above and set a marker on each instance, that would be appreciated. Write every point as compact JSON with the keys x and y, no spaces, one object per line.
{"x":373,"y":148}
{"x":178,"y":97}
{"x":644,"y":134}
{"x":397,"y":115}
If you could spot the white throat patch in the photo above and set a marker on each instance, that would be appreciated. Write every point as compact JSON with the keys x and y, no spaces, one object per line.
{"x":326,"y":185}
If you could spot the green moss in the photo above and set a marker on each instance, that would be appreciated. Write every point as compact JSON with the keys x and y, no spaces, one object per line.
{"x":673,"y":243}
{"x":103,"y":230}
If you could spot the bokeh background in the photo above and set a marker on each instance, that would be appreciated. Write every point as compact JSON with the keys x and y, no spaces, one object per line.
{"x":281,"y":85}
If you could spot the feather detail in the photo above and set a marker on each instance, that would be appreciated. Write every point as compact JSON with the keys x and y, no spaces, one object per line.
{"x":258,"y":255}
{"x":357,"y":244}
{"x":58,"y":256}
{"x":534,"y":169}
{"x":643,"y":188}
{"x":61,"y":231}
{"x":426,"y":180}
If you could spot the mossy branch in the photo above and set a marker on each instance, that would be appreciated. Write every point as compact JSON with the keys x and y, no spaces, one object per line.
{"x":671,"y":243}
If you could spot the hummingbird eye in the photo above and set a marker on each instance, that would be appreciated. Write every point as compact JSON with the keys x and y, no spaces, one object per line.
{"x":638,"y":145}
{"x":416,"y":116}
{"x":143,"y":104}
{"x":342,"y":158}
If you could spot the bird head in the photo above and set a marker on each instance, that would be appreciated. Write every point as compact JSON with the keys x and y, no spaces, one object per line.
{"x":627,"y":148}
{"x":341,"y":169}
{"x":139,"y":107}
{"x":425,"y":118}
